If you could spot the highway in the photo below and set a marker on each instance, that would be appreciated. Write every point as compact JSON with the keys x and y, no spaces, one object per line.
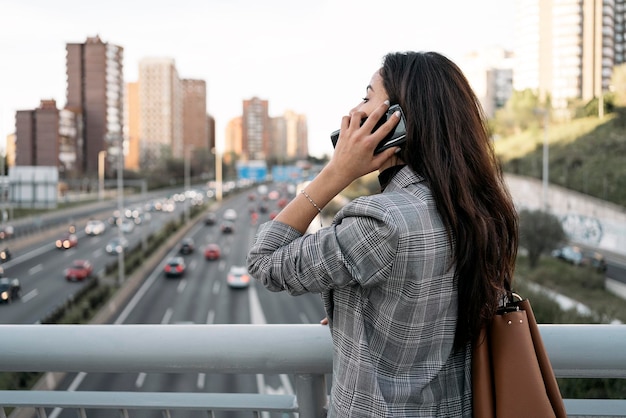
{"x":202,"y":296}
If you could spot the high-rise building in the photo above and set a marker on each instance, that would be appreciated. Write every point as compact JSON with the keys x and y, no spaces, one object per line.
{"x":70,"y":144}
{"x":161,"y":111}
{"x":131,"y":122}
{"x":490,"y":72}
{"x":195,"y":127}
{"x":288,"y":137}
{"x":37,"y":136}
{"x":95,"y":82}
{"x":210,"y":120}
{"x":233,"y":143}
{"x":255,"y":129}
{"x":567,"y":49}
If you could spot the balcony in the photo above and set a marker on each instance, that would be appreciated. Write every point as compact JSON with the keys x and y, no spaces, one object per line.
{"x":301,"y":351}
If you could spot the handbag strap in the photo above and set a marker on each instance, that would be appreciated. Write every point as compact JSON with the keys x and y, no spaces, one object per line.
{"x":509,"y":303}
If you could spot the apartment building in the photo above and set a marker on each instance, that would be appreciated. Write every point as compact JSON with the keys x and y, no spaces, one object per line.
{"x":195,"y":123}
{"x":160,"y":111}
{"x":567,"y":49}
{"x":95,"y":83}
{"x":37,"y":135}
{"x":255,"y":129}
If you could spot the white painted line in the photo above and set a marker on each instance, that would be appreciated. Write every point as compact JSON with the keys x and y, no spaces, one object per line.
{"x":140,"y":379}
{"x":168,"y":315}
{"x":216,"y":287}
{"x":181,"y":286}
{"x":201,"y":380}
{"x":210,"y":317}
{"x":30,"y":295}
{"x":36,"y":269}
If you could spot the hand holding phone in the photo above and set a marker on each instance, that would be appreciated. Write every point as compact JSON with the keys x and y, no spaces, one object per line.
{"x":395,"y":138}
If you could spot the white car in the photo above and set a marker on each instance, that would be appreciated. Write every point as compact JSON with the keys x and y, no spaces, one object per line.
{"x":127,"y":226}
{"x":95,"y":227}
{"x":238,"y":277}
{"x":117,"y":245}
{"x":230,"y":215}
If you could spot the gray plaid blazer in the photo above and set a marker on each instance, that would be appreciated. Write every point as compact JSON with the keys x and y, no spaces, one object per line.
{"x":385,"y":271}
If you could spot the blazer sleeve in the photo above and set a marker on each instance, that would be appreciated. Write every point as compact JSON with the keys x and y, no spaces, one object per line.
{"x":358,"y":248}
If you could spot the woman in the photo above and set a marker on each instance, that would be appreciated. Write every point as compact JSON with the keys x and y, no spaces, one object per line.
{"x":407,"y":276}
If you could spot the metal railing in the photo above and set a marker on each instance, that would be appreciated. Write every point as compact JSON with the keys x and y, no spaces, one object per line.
{"x":303,"y":351}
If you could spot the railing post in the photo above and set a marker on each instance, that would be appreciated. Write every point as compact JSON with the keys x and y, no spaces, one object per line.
{"x":311,"y":394}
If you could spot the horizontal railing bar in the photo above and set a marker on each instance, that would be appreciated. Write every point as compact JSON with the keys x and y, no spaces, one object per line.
{"x":226,"y":401}
{"x":586,"y":351}
{"x":574,"y":350}
{"x":236,"y":349}
{"x":149,"y":400}
{"x":595,"y":407}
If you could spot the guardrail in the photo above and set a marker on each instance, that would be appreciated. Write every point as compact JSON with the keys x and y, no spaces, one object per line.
{"x":303,"y":351}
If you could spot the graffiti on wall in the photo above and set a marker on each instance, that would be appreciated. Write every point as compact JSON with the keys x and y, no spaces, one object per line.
{"x":581,"y":228}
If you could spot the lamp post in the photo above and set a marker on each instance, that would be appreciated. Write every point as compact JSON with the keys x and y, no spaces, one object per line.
{"x":545,"y":166}
{"x":101,"y":156}
{"x":187,"y":180}
{"x":218,"y":175}
{"x":120,"y":208}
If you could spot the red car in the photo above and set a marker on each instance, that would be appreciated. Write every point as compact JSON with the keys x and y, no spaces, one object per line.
{"x":212,"y":252}
{"x":78,"y":271}
{"x":175,"y":267}
{"x":67,"y":241}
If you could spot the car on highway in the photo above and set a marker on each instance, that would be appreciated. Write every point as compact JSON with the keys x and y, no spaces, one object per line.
{"x":66,"y":241}
{"x":95,"y":227}
{"x":126,"y":226}
{"x":6,"y":231}
{"x":175,"y":267}
{"x":187,"y":246}
{"x":230,"y":215}
{"x":10,"y":289}
{"x":5,"y":255}
{"x":581,"y":257}
{"x":238,"y":277}
{"x":227,"y":227}
{"x":79,"y":270}
{"x":210,"y":219}
{"x":116,"y":245}
{"x":212,"y":252}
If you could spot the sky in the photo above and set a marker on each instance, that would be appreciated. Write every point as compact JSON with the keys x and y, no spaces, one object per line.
{"x":314,"y":57}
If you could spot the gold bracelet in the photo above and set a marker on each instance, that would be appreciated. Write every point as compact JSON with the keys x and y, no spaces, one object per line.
{"x":319,"y":211}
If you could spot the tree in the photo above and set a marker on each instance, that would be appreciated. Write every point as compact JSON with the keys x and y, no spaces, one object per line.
{"x":540,"y":232}
{"x":519,"y":113}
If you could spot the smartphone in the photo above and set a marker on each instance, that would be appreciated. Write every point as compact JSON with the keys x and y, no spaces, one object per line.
{"x":393,"y":139}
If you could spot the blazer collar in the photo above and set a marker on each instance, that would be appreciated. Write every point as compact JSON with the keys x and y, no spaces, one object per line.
{"x":403,"y":178}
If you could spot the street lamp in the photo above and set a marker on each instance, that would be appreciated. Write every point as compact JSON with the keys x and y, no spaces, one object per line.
{"x":545,"y":169}
{"x":187,"y":181}
{"x":120,"y":208}
{"x":218,"y":175}
{"x":101,"y":156}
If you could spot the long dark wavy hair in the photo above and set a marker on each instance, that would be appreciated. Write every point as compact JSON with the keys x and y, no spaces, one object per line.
{"x":449,"y":145}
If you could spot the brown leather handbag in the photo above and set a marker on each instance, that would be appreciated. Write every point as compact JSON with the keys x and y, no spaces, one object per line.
{"x":511,"y":372}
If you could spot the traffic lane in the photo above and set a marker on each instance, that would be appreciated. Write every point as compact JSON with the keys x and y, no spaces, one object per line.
{"x":44,"y":287}
{"x":201,"y":296}
{"x":41,"y":270}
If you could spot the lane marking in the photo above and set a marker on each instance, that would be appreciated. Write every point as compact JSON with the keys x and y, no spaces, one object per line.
{"x":36,"y":269}
{"x":181,"y":286}
{"x":168,"y":315}
{"x":30,"y":295}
